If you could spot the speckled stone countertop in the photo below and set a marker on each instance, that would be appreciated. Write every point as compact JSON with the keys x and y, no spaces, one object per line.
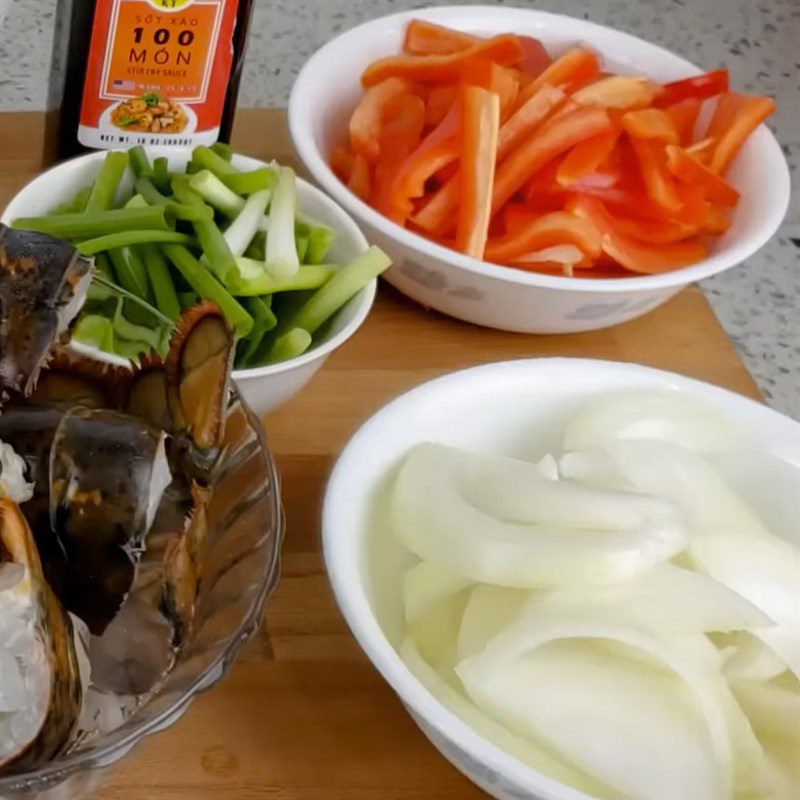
{"x":758,"y":302}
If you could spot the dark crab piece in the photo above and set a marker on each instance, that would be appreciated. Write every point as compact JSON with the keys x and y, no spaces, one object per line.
{"x":43,"y":283}
{"x":53,"y":681}
{"x":108,"y":472}
{"x":70,"y":381}
{"x":146,"y":393}
{"x":198,"y":371}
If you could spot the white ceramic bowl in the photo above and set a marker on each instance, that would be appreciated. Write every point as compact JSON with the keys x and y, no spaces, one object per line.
{"x":516,"y":408}
{"x":328,"y":88}
{"x":264,"y":388}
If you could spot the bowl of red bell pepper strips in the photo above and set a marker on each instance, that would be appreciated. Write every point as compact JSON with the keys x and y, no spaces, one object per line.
{"x":533,"y":172}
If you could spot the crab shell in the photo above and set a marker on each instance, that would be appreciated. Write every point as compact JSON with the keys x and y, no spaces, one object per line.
{"x":63,"y":688}
{"x":43,"y":283}
{"x":198,"y":369}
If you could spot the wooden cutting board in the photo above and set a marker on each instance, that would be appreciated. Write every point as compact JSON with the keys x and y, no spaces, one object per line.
{"x":303,"y":715}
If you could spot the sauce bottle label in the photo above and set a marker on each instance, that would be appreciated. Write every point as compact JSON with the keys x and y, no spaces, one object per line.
{"x":157,"y":72}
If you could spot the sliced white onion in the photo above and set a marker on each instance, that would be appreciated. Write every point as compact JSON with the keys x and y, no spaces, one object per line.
{"x":748,"y":658}
{"x":427,"y":584}
{"x":489,"y":610}
{"x":433,"y":516}
{"x":671,"y":416}
{"x":566,"y":254}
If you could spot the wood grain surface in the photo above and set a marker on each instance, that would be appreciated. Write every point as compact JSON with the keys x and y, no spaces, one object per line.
{"x":302,"y":714}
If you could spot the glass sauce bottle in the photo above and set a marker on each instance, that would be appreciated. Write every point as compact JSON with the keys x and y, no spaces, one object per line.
{"x":145,"y":72}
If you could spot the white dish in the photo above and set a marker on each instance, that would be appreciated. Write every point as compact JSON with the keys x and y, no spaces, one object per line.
{"x":328,"y":88}
{"x":515,"y":408}
{"x":264,"y":388}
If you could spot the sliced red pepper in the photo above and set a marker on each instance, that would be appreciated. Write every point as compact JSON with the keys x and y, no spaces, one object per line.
{"x":366,"y":121}
{"x":618,"y":91}
{"x":569,"y":72}
{"x":425,"y":38}
{"x":505,"y":50}
{"x":688,"y":169}
{"x":400,"y":137}
{"x":586,"y":157}
{"x":703,"y":150}
{"x":480,"y":125}
{"x":657,"y":179}
{"x":650,"y":124}
{"x":528,"y":117}
{"x":360,"y":182}
{"x":630,"y":253}
{"x":535,"y":59}
{"x":440,"y":101}
{"x":439,"y":148}
{"x":342,"y":162}
{"x":551,"y":140}
{"x":700,"y":87}
{"x":684,"y":117}
{"x":717,"y":220}
{"x":549,"y":230}
{"x":735,"y":118}
{"x":653,"y":231}
{"x":502,"y":81}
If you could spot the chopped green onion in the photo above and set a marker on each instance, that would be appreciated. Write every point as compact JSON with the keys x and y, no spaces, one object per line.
{"x":345,"y":284}
{"x":264,"y":320}
{"x":140,"y":163}
{"x":257,"y":249}
{"x":160,"y":176}
{"x":250,"y":182}
{"x":216,"y":253}
{"x":193,"y":168}
{"x":183,"y":193}
{"x":107,"y":181}
{"x":95,"y":330}
{"x":103,"y":266}
{"x":320,"y":240}
{"x":130,"y":271}
{"x":209,"y":160}
{"x":282,"y":260}
{"x":188,"y":299}
{"x":207,"y":286}
{"x":126,"y":238}
{"x":215,"y":192}
{"x":97,"y":223}
{"x":291,"y":344}
{"x":254,"y":280}
{"x":223,"y":150}
{"x":240,"y":232}
{"x":166,"y":297}
{"x":147,"y":189}
{"x":75,"y":205}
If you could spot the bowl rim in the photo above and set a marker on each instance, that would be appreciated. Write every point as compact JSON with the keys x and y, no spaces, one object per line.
{"x":366,"y":296}
{"x":343,"y":557}
{"x":55,"y":772}
{"x":312,"y":159}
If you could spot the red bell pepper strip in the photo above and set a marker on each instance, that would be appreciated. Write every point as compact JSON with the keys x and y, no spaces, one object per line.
{"x":631,"y":254}
{"x":717,"y":220}
{"x":400,"y":137}
{"x":653,"y":231}
{"x":425,"y":38}
{"x":505,"y":50}
{"x":480,"y":125}
{"x":703,"y":149}
{"x":689,"y":170}
{"x":684,"y":117}
{"x":360,"y":182}
{"x":436,"y":214}
{"x":342,"y":162}
{"x":440,"y":101}
{"x":700,"y":87}
{"x":549,"y":230}
{"x":658,"y":181}
{"x":568,"y":72}
{"x":650,"y":124}
{"x":554,"y":138}
{"x":735,"y":118}
{"x":502,"y":81}
{"x":618,"y":91}
{"x":586,"y":157}
{"x":527,"y":118}
{"x":439,"y":148}
{"x":535,"y":59}
{"x":366,"y":121}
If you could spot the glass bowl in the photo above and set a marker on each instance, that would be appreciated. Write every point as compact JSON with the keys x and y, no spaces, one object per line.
{"x":245,"y":528}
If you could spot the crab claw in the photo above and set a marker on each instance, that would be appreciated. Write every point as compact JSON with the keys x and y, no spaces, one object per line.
{"x":198,"y":370}
{"x":43,"y":283}
{"x":146,"y":393}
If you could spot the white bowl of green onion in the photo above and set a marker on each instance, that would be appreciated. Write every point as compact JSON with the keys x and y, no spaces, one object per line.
{"x":172,"y":227}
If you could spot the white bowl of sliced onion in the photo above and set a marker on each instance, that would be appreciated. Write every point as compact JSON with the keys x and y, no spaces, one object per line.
{"x":581,"y":578}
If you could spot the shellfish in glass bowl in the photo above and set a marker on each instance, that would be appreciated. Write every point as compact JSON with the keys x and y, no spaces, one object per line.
{"x":140,"y":526}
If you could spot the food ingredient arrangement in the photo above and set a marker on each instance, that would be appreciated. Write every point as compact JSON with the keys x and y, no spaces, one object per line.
{"x":623,"y":615}
{"x":210,"y":233}
{"x":495,"y":149}
{"x":106,"y":486}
